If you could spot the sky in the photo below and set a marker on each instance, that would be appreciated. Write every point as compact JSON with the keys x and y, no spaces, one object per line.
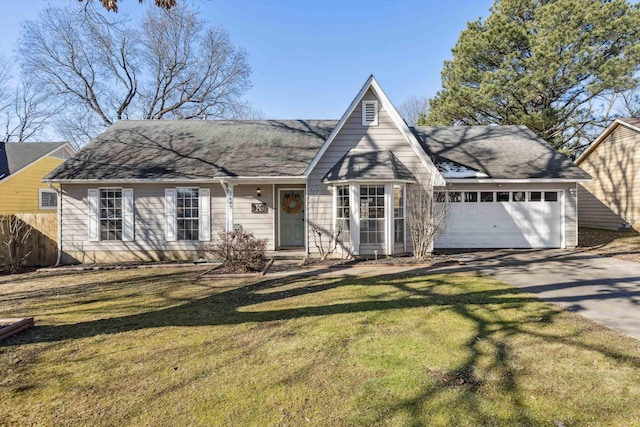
{"x":309,"y":59}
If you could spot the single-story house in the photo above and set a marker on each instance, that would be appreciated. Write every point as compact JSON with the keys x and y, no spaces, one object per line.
{"x":612,"y":199}
{"x":23,"y":165}
{"x":159,"y":189}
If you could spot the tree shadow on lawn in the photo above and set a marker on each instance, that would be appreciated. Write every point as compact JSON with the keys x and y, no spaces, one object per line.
{"x":489,"y":337}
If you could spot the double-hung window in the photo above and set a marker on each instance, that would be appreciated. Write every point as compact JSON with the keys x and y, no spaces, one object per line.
{"x":188,"y":213}
{"x":110,"y":214}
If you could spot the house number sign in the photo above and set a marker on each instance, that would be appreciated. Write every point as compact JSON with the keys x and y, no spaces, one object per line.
{"x":258,"y":208}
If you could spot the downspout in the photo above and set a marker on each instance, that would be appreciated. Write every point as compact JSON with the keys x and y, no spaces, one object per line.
{"x":59,"y":213}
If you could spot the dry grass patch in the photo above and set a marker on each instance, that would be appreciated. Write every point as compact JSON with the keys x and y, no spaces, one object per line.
{"x":162,"y":348}
{"x":623,"y":244}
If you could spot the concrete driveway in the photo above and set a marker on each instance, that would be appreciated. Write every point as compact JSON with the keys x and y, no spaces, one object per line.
{"x":606,"y":290}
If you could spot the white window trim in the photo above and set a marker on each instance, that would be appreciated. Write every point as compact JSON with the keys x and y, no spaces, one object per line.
{"x":348,"y":245}
{"x":374,"y":122}
{"x":403,"y":187}
{"x":171,"y":214}
{"x":94,"y":219}
{"x":204,"y":218}
{"x":48,"y":191}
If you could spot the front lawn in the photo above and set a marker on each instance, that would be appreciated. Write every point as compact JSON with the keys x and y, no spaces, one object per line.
{"x":159,"y":347}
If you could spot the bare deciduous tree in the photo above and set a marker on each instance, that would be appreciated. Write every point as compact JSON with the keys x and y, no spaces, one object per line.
{"x":197,"y":72}
{"x":28,"y":115}
{"x":326,"y":236}
{"x":414,"y":108}
{"x":14,"y":235}
{"x":427,"y":216}
{"x":23,"y":109}
{"x":630,"y":103}
{"x":112,"y":5}
{"x":97,"y":67}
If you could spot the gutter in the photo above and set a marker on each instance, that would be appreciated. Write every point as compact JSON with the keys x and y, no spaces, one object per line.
{"x":514,"y":181}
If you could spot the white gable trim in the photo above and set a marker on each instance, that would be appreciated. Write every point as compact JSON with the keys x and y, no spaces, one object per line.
{"x":602,"y":136}
{"x":395,"y":117}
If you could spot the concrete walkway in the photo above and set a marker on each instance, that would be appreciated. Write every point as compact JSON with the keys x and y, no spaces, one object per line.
{"x":606,"y":290}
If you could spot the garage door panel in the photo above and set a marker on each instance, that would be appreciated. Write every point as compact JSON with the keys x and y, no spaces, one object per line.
{"x":521,"y":224}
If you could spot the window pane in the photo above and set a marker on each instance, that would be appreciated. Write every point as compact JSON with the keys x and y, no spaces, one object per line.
{"x":110,"y":214}
{"x":503,"y":196}
{"x":518,"y":196}
{"x":486,"y":196}
{"x":535,"y":196}
{"x":470,"y":196}
{"x":550,"y":196}
{"x":399,"y":230}
{"x":440,"y":196}
{"x":455,"y":196}
{"x":187,"y":213}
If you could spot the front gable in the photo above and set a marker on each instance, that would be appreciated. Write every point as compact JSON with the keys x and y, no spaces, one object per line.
{"x":372,"y":124}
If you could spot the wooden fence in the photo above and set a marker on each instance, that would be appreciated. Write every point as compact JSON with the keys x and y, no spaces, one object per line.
{"x":42,"y":241}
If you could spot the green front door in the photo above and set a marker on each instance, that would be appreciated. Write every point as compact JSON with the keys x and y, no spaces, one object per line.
{"x":291,"y":217}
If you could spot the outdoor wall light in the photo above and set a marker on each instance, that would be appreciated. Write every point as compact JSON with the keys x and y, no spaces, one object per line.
{"x":258,"y":192}
{"x":573,"y":191}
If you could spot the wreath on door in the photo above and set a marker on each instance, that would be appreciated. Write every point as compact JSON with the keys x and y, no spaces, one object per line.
{"x":292,"y":204}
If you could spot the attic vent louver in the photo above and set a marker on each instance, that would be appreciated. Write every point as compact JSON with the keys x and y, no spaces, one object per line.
{"x":369,"y":113}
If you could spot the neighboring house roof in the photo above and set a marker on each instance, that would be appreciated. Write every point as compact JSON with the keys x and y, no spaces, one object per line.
{"x":501,"y":152}
{"x":197,"y":149}
{"x":17,"y":155}
{"x":629,"y":122}
{"x":632,"y":121}
{"x":369,"y":165}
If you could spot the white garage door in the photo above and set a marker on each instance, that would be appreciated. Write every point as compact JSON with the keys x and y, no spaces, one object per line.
{"x":502,"y":219}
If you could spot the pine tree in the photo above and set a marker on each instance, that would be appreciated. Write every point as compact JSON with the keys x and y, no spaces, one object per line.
{"x":544,"y":64}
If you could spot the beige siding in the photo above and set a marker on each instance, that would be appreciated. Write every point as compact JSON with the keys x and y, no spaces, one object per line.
{"x":570,"y":202}
{"x":614,"y":166}
{"x":593,"y":213}
{"x":385,"y":136}
{"x":149,"y":223}
{"x":260,"y":224}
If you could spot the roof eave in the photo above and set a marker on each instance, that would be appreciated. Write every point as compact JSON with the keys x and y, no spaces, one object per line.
{"x":369,"y":180}
{"x":602,"y":137}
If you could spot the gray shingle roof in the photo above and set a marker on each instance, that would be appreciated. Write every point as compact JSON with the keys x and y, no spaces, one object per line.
{"x":502,"y":152}
{"x":182,"y":149}
{"x":370,"y":165}
{"x":16,"y":155}
{"x":187,"y":149}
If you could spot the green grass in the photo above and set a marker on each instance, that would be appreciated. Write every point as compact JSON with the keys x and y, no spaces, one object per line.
{"x":160,"y":347}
